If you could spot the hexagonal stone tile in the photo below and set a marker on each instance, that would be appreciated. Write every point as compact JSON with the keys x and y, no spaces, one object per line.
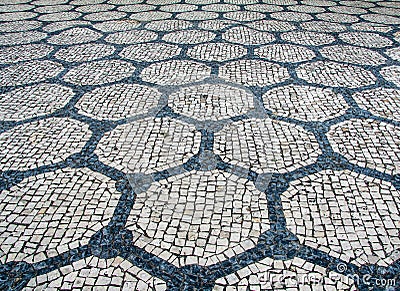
{"x":368,"y":143}
{"x":243,"y":16}
{"x":22,"y":37}
{"x":189,"y":36}
{"x":175,"y":72}
{"x":48,"y":214}
{"x":211,"y":101}
{"x":394,"y":53}
{"x":295,"y":274}
{"x":199,"y":217}
{"x":347,"y":215}
{"x":124,"y":2}
{"x":241,"y":2}
{"x":385,"y":11}
{"x":22,"y":25}
{"x":136,"y":8}
{"x":271,"y":25}
{"x":16,"y":7}
{"x":216,"y":52}
{"x":253,"y":73}
{"x":266,"y":145}
{"x":150,"y":52}
{"x":74,"y":36}
{"x":338,"y":17}
{"x":131,"y":37}
{"x":97,"y":274}
{"x":32,"y":101}
{"x":105,"y":16}
{"x":84,"y":52}
{"x":308,"y":38}
{"x":59,"y":16}
{"x":12,"y":2}
{"x":356,"y":3}
{"x":385,"y":19}
{"x":29,"y":72}
{"x":149,"y":145}
{"x":162,"y":2}
{"x":245,"y":35}
{"x":61,"y":25}
{"x":348,"y":10}
{"x":305,"y":102}
{"x":216,"y":24}
{"x":353,"y":55}
{"x":197,"y":15}
{"x":389,"y":4}
{"x":27,"y":52}
{"x":150,"y":16}
{"x":369,"y":27}
{"x":116,"y":25}
{"x":99,"y":72}
{"x":168,"y":25}
{"x":280,"y":2}
{"x":287,"y":53}
{"x":178,"y":8}
{"x":335,"y":74}
{"x":365,"y":39}
{"x":291,"y":16}
{"x":54,"y":8}
{"x":42,"y":142}
{"x":391,"y":74}
{"x":221,"y":7}
{"x":381,"y":102}
{"x":48,"y":2}
{"x":118,"y":101}
{"x":323,"y":26}
{"x":85,"y":2}
{"x":13,"y":16}
{"x":263,"y":8}
{"x":322,"y":3}
{"x":94,"y":8}
{"x":306,"y":9}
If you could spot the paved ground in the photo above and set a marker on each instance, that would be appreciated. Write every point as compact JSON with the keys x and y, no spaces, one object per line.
{"x":199,"y":145}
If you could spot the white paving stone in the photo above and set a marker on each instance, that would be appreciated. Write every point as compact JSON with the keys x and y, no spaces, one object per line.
{"x":46,"y":213}
{"x":368,"y":143}
{"x":118,"y":101}
{"x":295,"y":274}
{"x":305,"y":102}
{"x":354,"y":216}
{"x":211,"y":101}
{"x":175,"y":72}
{"x":253,"y":73}
{"x":148,"y":145}
{"x":98,"y":274}
{"x":192,"y":218}
{"x":32,"y":101}
{"x":43,"y":142}
{"x":266,"y":145}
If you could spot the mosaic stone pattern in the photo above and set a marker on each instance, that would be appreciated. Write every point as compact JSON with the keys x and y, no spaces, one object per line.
{"x":195,"y":221}
{"x":296,"y":274}
{"x":199,"y":145}
{"x":211,"y":101}
{"x":71,"y":220}
{"x":173,"y":141}
{"x":337,"y":217}
{"x":95,"y":273}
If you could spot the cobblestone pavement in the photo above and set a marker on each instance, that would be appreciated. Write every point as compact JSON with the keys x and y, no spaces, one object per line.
{"x":199,"y":145}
